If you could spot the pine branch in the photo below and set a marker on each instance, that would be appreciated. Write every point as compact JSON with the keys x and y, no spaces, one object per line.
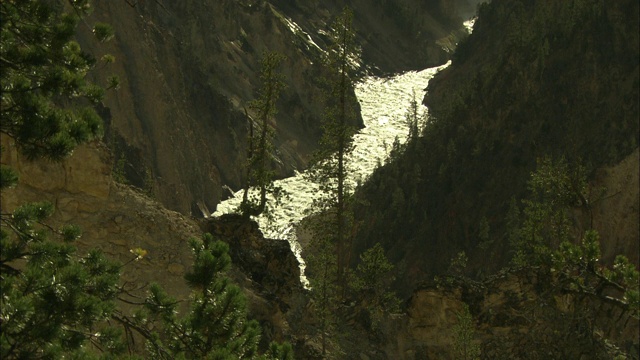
{"x":128,"y":323}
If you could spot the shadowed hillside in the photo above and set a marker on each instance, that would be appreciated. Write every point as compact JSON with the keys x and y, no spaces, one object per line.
{"x":535,"y":79}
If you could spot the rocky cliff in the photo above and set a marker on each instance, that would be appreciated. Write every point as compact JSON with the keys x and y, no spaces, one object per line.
{"x":188,"y":69}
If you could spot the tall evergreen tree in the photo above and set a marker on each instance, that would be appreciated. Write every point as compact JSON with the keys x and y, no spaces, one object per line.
{"x":258,"y":172}
{"x":331,"y":166}
{"x":327,"y":252}
{"x":371,"y":282}
{"x":414,"y":118}
{"x":322,"y":270}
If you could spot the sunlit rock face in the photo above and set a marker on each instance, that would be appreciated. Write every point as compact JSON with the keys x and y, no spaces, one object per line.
{"x":188,"y":69}
{"x":113,"y":218}
{"x":86,"y":173}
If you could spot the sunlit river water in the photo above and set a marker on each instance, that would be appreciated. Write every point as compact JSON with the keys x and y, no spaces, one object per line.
{"x":384,"y":104}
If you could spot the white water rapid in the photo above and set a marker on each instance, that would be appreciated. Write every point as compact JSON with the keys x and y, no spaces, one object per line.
{"x":384,"y":104}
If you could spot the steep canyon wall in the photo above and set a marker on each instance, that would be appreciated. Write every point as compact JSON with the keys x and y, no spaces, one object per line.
{"x":188,"y":69}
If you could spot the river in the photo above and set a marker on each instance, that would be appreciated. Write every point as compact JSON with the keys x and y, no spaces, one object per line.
{"x":384,"y":103}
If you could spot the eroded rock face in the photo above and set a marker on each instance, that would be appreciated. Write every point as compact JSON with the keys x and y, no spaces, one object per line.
{"x":88,"y":171}
{"x":615,"y":215}
{"x":113,"y":217}
{"x":268,"y":262}
{"x":188,"y":69}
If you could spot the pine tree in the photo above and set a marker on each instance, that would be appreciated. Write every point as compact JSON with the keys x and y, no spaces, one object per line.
{"x":216,"y":326}
{"x":327,"y":252}
{"x":46,"y":99}
{"x":52,"y":299}
{"x":321,"y":270}
{"x":330,"y":168}
{"x":258,"y":172}
{"x":414,"y":119}
{"x":371,"y":283}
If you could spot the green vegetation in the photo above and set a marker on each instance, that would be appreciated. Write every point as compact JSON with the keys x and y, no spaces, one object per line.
{"x":415,"y":119}
{"x":322,"y":274}
{"x":330,"y":247}
{"x":216,"y":326}
{"x":567,"y":266}
{"x":371,"y":282}
{"x":330,"y":167}
{"x":52,"y":299}
{"x":46,"y":99}
{"x":55,"y":302}
{"x":464,"y":333}
{"x":554,"y":89}
{"x":545,"y":239}
{"x":563,"y":288}
{"x":534,"y":79}
{"x":258,"y":172}
{"x":555,"y":189}
{"x":542,"y":88}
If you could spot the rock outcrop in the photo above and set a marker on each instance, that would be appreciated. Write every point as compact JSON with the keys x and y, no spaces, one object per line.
{"x":269,"y":263}
{"x":615,"y":215}
{"x":270,"y":273}
{"x":426,"y":331}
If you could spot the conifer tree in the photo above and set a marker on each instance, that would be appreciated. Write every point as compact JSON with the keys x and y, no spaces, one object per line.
{"x":464,"y":333}
{"x":327,"y":251}
{"x":322,"y":270}
{"x":330,"y":168}
{"x":545,"y":242}
{"x":52,"y":299}
{"x":46,"y":99}
{"x":414,"y":118}
{"x":216,"y":326}
{"x":371,"y":282}
{"x":258,"y":172}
